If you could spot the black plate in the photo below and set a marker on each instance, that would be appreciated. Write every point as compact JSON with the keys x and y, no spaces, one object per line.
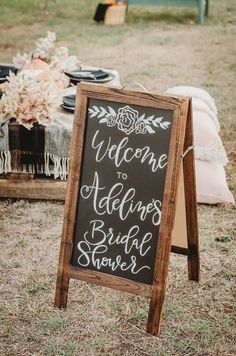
{"x":5,"y":69}
{"x":68,"y":108}
{"x":69,"y":100}
{"x":104,"y":80}
{"x":3,"y":80}
{"x":87,"y":74}
{"x":98,"y":76}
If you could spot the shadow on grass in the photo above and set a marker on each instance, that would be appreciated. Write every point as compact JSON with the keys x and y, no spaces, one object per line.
{"x":153,"y":15}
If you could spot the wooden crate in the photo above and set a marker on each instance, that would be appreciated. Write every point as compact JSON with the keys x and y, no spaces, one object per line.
{"x":115,"y":15}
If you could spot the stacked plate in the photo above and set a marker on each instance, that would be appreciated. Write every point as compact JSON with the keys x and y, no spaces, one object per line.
{"x":68,"y":103}
{"x":93,"y":76}
{"x":83,"y":75}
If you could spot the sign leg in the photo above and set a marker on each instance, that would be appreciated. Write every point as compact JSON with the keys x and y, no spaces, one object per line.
{"x":167,"y":222}
{"x":155,"y":311}
{"x":191,"y":203}
{"x":62,"y":288}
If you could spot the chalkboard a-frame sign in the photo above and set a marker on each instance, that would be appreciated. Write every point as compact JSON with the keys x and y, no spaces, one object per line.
{"x":123,"y":194}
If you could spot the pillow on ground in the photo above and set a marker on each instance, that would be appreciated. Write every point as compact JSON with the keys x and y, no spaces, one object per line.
{"x":195,"y":92}
{"x":202,"y":101}
{"x":210,"y":154}
{"x":211,"y":183}
{"x":208,"y":144}
{"x":201,"y":106}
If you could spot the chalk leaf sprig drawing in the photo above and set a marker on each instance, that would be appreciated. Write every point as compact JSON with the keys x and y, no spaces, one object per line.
{"x":128,"y":120}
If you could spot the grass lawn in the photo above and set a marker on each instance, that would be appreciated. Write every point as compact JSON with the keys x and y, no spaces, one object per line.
{"x":159,"y":48}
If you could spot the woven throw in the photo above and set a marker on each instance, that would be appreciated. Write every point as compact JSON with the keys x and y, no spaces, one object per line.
{"x":57,"y":145}
{"x":26,"y":148}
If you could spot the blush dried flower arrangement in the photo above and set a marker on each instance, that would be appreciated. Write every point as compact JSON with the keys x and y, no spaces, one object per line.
{"x":32,"y":98}
{"x":27,"y":101}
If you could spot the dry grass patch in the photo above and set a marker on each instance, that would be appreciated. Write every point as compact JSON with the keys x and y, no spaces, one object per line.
{"x":198,"y":319}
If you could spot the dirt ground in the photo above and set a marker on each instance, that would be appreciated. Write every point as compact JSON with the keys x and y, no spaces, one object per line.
{"x":158,"y":49}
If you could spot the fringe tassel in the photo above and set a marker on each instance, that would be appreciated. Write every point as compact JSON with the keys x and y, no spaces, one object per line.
{"x":40,"y":169}
{"x":5,"y":162}
{"x":211,"y":154}
{"x":59,"y":168}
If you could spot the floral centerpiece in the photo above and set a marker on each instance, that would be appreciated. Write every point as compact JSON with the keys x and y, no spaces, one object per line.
{"x":27,"y":101}
{"x":32,"y":94}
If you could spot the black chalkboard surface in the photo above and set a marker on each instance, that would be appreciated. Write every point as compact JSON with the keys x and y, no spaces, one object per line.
{"x":121,"y":191}
{"x":125,"y":164}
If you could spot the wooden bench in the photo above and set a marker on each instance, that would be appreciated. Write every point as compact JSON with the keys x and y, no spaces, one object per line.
{"x":199,"y":3}
{"x":29,"y":186}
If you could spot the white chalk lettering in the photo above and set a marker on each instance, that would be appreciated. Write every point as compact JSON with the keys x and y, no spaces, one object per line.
{"x":121,"y":153}
{"x":121,"y":201}
{"x":92,"y":257}
{"x":122,"y":175}
{"x":129,"y":242}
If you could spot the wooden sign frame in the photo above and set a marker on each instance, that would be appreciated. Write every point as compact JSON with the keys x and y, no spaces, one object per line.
{"x":181,"y":139}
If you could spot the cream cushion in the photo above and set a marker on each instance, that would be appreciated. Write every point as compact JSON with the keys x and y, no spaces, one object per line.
{"x":210,"y":154}
{"x":211,"y":183}
{"x":201,"y":100}
{"x":208,"y":144}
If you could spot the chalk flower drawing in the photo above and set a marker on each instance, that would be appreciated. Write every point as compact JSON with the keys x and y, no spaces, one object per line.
{"x":140,"y":127}
{"x":128,"y":120}
{"x":111,"y":120}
